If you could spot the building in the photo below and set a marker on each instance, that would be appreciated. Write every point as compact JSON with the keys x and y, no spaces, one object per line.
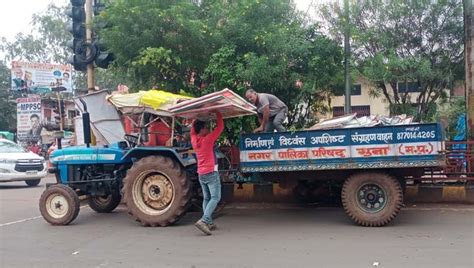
{"x":367,"y":100}
{"x":51,"y":117}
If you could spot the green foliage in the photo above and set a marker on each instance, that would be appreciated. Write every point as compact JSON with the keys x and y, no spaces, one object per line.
{"x":159,"y":64}
{"x":5,"y":76}
{"x":7,"y":103}
{"x":46,"y":42}
{"x":405,"y":41}
{"x":451,"y":114}
{"x":7,"y":111}
{"x":205,"y":46}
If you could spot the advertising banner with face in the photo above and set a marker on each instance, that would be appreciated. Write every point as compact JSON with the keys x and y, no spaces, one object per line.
{"x":29,"y":119}
{"x":38,"y":78}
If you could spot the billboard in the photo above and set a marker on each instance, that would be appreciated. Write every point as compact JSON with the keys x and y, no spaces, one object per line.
{"x":38,"y":78}
{"x":29,"y":119}
{"x":384,"y":146}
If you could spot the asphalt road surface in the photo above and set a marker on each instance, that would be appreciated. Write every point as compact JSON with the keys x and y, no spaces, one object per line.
{"x":249,"y":235}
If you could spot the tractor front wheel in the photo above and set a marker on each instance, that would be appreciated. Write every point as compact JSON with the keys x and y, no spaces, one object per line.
{"x":59,"y":205}
{"x":156,"y":191}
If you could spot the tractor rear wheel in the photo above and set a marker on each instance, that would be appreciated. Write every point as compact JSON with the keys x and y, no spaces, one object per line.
{"x":372,"y":199}
{"x":105,"y":204}
{"x":156,"y":191}
{"x":59,"y":204}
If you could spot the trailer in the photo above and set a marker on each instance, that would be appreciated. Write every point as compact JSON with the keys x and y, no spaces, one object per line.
{"x":158,"y":183}
{"x":371,"y":163}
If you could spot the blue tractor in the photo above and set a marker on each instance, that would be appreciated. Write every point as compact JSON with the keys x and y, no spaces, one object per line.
{"x":156,"y":183}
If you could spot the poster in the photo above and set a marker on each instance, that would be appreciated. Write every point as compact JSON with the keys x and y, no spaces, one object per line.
{"x":29,"y":119}
{"x":39,"y":78}
{"x":389,"y":146}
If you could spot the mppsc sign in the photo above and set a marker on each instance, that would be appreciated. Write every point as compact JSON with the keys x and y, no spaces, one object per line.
{"x":29,"y":124}
{"x":29,"y":106}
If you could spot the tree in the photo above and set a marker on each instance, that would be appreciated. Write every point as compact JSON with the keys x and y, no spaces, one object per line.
{"x":7,"y":103}
{"x":205,"y":46}
{"x":46,"y":42}
{"x":403,"y":44}
{"x":170,"y":44}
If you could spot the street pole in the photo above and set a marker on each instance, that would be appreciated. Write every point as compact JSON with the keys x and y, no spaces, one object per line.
{"x":347,"y":56}
{"x":61,"y":122}
{"x":90,"y":66}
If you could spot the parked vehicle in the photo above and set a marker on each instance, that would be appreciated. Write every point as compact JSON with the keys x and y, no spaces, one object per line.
{"x":19,"y":164}
{"x":371,"y":163}
{"x":157,"y":183}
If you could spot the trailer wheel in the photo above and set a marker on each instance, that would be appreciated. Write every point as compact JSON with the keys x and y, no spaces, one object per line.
{"x":59,"y":204}
{"x":156,"y":191}
{"x":372,"y":199}
{"x":105,"y":204}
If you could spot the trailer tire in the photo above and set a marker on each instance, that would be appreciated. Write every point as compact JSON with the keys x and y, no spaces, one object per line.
{"x":105,"y":204}
{"x":156,"y":191}
{"x":372,"y":199}
{"x":59,"y":204}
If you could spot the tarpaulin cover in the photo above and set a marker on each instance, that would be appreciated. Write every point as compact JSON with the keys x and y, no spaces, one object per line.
{"x":168,"y":104}
{"x":155,"y":99}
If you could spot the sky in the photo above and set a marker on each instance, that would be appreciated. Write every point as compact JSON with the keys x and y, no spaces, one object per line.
{"x":15,"y":16}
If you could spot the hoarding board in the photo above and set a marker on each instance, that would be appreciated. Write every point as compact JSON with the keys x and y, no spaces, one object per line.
{"x":227,"y":102}
{"x":38,"y":78}
{"x":29,"y":119}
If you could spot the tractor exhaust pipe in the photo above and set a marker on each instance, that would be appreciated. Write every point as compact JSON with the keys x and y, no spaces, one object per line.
{"x":86,"y":124}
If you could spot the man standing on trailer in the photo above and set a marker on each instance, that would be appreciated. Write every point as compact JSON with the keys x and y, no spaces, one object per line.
{"x":270,"y":109}
{"x":203,"y":142}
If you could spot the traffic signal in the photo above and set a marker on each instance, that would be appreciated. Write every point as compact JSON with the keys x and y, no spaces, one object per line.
{"x":59,"y":111}
{"x":103,"y":57}
{"x":98,"y":7}
{"x":83,"y":52}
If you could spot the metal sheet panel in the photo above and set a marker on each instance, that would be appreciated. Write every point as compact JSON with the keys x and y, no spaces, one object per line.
{"x":105,"y":120}
{"x":225,"y":101}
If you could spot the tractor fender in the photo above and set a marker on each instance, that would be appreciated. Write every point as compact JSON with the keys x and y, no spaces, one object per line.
{"x":183,"y":156}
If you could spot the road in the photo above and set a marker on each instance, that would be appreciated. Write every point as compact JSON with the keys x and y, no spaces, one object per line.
{"x":249,"y":235}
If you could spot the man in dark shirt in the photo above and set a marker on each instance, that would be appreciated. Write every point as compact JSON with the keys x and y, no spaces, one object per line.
{"x":34,"y":134}
{"x":270,"y":109}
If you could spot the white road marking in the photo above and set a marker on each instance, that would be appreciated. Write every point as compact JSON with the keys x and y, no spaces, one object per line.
{"x":28,"y":219}
{"x":19,"y":221}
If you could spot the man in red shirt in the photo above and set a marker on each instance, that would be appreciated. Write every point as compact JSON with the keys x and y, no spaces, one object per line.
{"x":203,"y":142}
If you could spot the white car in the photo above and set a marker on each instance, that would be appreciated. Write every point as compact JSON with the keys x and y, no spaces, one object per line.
{"x":17,"y":164}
